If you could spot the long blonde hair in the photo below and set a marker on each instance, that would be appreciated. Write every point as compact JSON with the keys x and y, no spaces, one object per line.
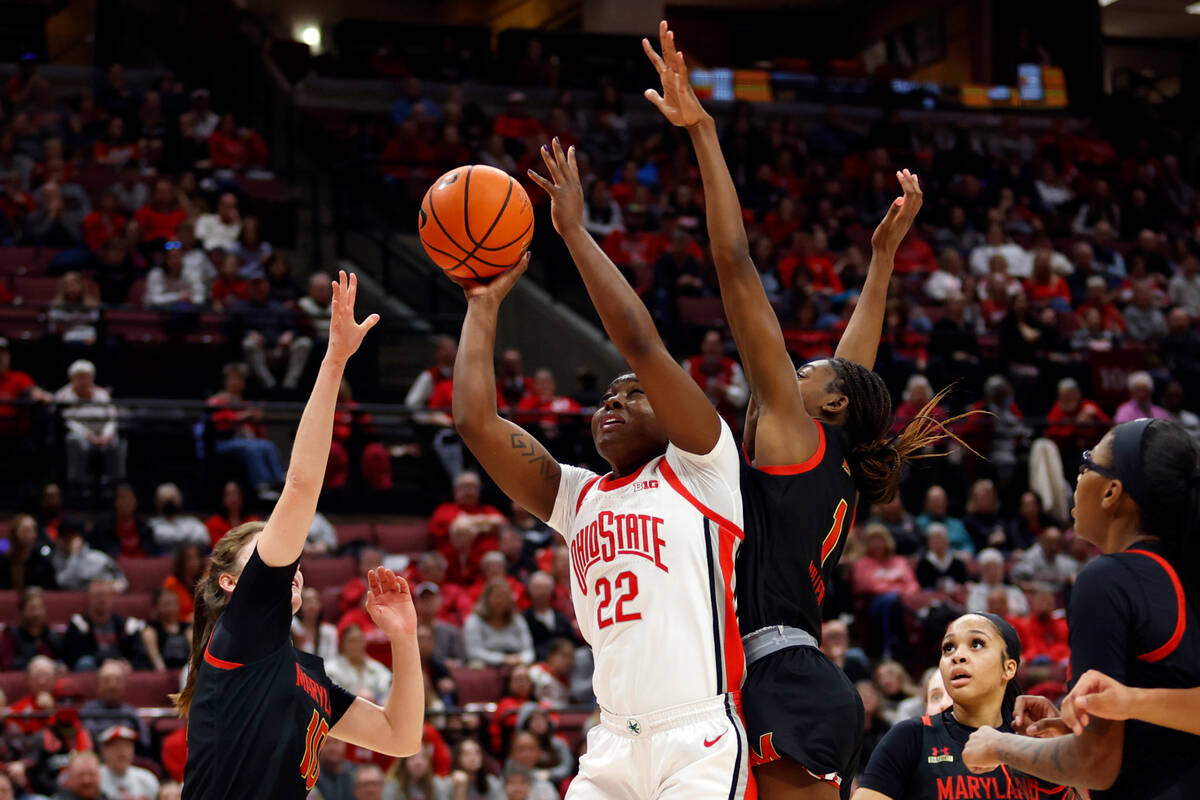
{"x":211,"y":600}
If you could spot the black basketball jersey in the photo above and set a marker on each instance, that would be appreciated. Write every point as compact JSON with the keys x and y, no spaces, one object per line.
{"x":921,"y":759}
{"x":1129,"y":618}
{"x":796,"y":520}
{"x":256,"y":726}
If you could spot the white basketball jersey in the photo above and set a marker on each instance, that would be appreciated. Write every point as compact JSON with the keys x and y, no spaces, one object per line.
{"x":652,"y":579}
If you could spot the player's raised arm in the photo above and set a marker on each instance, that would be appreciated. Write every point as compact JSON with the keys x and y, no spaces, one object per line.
{"x":788,"y":434}
{"x":518,"y":463}
{"x":282,"y":539}
{"x":860,"y":341}
{"x":692,"y":423}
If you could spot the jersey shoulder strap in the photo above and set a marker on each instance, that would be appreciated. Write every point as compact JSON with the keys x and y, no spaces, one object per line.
{"x":587,"y":487}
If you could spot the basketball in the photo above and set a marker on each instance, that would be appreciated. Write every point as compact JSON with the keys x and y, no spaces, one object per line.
{"x":475,"y":222}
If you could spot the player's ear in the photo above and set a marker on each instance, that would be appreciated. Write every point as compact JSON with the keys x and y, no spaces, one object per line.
{"x":835,"y":405}
{"x":227,"y":582}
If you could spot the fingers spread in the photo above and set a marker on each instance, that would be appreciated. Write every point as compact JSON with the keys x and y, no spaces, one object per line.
{"x":551,"y":165}
{"x":540,"y":181}
{"x":572,"y":164}
{"x":653,"y":56}
{"x":656,"y":98}
{"x":369,"y":322}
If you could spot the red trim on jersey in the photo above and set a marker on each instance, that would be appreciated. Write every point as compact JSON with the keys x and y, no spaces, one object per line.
{"x":677,"y":485}
{"x":807,"y":465}
{"x":735,"y":656}
{"x":835,"y":530}
{"x":608,"y":482}
{"x":1160,"y":653}
{"x":926,"y":721}
{"x":219,"y":663}
{"x":583,"y":492}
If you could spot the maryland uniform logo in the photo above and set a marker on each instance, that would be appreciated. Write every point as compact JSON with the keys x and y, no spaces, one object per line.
{"x":942,"y":757}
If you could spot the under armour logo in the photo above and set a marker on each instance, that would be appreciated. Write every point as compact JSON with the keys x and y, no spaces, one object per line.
{"x":634,"y":728}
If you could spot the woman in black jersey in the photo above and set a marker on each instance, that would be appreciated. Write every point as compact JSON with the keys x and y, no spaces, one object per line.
{"x":817,"y":437}
{"x":1131,"y":617}
{"x":921,"y":758}
{"x":258,"y":709}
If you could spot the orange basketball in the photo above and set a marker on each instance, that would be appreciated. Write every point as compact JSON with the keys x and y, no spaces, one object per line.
{"x":475,"y":222}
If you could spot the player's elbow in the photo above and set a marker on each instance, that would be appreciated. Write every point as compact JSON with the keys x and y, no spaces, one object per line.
{"x":734,"y":258}
{"x":1102,"y":769}
{"x":407,"y":743}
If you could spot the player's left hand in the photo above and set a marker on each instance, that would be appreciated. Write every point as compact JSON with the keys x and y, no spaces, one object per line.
{"x":678,"y":103}
{"x":1099,"y":695}
{"x":900,"y":215}
{"x":979,"y":755}
{"x":564,"y":187}
{"x":345,"y":335}
{"x":390,"y":603}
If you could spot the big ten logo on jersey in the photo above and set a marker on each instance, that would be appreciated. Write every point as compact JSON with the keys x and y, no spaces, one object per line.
{"x":610,"y":535}
{"x":641,"y":485}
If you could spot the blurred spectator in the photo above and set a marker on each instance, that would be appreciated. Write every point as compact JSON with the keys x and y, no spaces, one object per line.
{"x":1044,"y":286}
{"x":471,"y":774}
{"x":234,"y":147}
{"x":335,"y":781}
{"x":447,"y":639}
{"x":601,"y":214}
{"x":1000,"y":435}
{"x":196,"y":263}
{"x":413,"y":99}
{"x":983,"y":521}
{"x":91,"y":422}
{"x":116,"y":149}
{"x":1044,"y":632}
{"x":170,"y":527}
{"x":310,"y":632}
{"x":74,"y":312}
{"x":1074,"y":423}
{"x":322,"y":538}
{"x":131,"y":192}
{"x":991,"y":578}
{"x":518,"y":690}
{"x":545,"y":399}
{"x":719,"y":375}
{"x":467,"y":512}
{"x":199,"y":122}
{"x":835,"y":644}
{"x":513,"y":384}
{"x":284,"y":288}
{"x":462,"y":557}
{"x":76,"y":564}
{"x":109,"y":708}
{"x":30,"y":635}
{"x":186,"y":570}
{"x":1016,"y":260}
{"x":1173,"y":404}
{"x":170,"y":287}
{"x":495,"y":633}
{"x":440,"y":689}
{"x":250,"y":248}
{"x":946,"y":280}
{"x":50,"y":511}
{"x":546,"y":623}
{"x":1046,"y":562}
{"x":161,"y":217}
{"x":80,"y":778}
{"x":1143,"y":319}
{"x":104,"y":223}
{"x":123,"y":532}
{"x":1140,"y":403}
{"x":525,"y":754}
{"x":167,"y":640}
{"x":555,"y":760}
{"x":939,"y":569}
{"x":39,"y":677}
{"x":895,"y":686}
{"x":882,"y":578}
{"x":356,"y":429}
{"x":57,"y":216}
{"x":903,"y":527}
{"x":1184,"y":287}
{"x":97,"y":633}
{"x":119,"y":777}
{"x":269,"y":334}
{"x":936,"y":508}
{"x":232,"y":513}
{"x":238,"y":430}
{"x":357,"y":672}
{"x":317,"y":305}
{"x":518,"y":556}
{"x":874,"y":725}
{"x":229,"y":286}
{"x":552,"y":676}
{"x":28,"y":559}
{"x":220,"y":229}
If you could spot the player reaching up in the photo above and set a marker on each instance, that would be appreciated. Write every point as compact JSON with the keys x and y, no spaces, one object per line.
{"x":817,"y":437}
{"x":652,"y":543}
{"x":258,"y":709}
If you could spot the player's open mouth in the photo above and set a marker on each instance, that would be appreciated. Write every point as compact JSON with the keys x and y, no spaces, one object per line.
{"x":610,"y":421}
{"x":960,"y":678}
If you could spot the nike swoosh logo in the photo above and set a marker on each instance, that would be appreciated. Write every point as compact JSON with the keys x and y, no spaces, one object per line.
{"x":711,"y":742}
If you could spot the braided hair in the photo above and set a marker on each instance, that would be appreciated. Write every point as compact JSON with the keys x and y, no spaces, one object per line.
{"x":876,"y":457}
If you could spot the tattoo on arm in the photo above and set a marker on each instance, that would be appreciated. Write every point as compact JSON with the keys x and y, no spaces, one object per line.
{"x":1060,"y":759}
{"x":528,"y":449}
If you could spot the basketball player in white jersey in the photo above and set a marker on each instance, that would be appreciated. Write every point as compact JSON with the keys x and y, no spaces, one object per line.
{"x":652,"y":543}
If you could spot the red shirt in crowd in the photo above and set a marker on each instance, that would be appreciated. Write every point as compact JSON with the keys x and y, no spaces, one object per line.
{"x":14,"y":385}
{"x":229,"y":421}
{"x":445,"y":514}
{"x":632,"y":249}
{"x":1068,"y":431}
{"x":1043,"y":637}
{"x":1046,"y":292}
{"x":246,"y":149}
{"x":115,"y":154}
{"x":225,"y":290}
{"x":550,"y":409}
{"x":511,"y":127}
{"x":159,"y":224}
{"x":100,"y":228}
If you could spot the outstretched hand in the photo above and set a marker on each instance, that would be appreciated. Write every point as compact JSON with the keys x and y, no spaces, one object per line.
{"x":899,"y":218}
{"x":1099,"y":695}
{"x":564,"y":187}
{"x":345,"y":335}
{"x":678,"y":103}
{"x":390,"y":603}
{"x":495,"y":290}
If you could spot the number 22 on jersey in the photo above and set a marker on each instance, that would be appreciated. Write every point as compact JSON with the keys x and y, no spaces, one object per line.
{"x":624,"y":589}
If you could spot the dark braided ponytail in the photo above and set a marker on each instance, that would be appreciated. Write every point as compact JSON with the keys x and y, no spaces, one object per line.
{"x":876,"y":457}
